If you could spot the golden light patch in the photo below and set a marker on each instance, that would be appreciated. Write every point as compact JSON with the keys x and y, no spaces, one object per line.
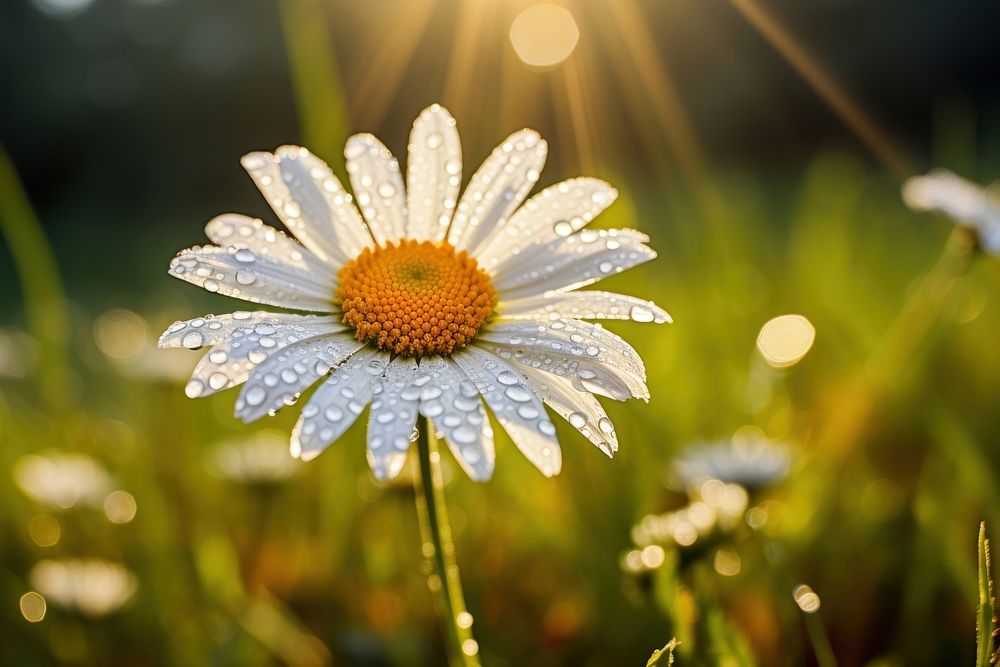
{"x":415,"y":298}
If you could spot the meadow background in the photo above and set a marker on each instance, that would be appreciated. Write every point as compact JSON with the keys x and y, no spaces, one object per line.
{"x":760,"y":143}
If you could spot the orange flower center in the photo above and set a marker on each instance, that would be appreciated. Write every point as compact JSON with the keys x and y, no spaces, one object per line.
{"x":415,"y":298}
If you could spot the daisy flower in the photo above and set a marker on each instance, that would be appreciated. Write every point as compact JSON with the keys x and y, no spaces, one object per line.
{"x":750,"y":461}
{"x":966,"y":203}
{"x":422,"y":302}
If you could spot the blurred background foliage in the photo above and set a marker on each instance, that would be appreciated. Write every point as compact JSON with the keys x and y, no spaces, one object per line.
{"x":760,"y":143}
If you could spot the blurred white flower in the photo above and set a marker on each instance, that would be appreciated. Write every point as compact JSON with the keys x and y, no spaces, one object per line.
{"x":91,"y":586}
{"x":749,"y":459}
{"x":425,"y":302}
{"x":262,"y":458}
{"x":966,"y":203}
{"x":62,"y":480}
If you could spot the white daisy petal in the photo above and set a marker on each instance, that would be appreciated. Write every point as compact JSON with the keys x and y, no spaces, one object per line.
{"x":244,"y":233}
{"x":579,"y":408}
{"x":584,"y":305}
{"x":378,"y":187}
{"x":515,"y":405}
{"x":451,"y":401}
{"x":593,"y":358}
{"x":433,"y":174}
{"x":337,"y":403}
{"x":556,"y":212}
{"x":280,"y":379}
{"x":497,"y":188}
{"x":240,"y":345}
{"x":310,"y":201}
{"x":572,"y":262}
{"x":241,"y":274}
{"x":212,"y":329}
{"x":392,"y":418}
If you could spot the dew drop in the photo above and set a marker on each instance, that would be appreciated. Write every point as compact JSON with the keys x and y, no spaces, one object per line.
{"x":244,"y":255}
{"x":217,"y":381}
{"x":193,"y":340}
{"x":507,"y":378}
{"x":194,"y":388}
{"x":255,"y":396}
{"x":518,"y":393}
{"x":246,"y":277}
{"x":641,"y":314}
{"x":563,"y":228}
{"x":527,"y":411}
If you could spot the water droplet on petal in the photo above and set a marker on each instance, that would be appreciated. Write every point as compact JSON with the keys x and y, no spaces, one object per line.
{"x":255,"y":396}
{"x":641,"y":314}
{"x":563,"y":228}
{"x":518,"y":393}
{"x":193,"y":340}
{"x":508,"y":378}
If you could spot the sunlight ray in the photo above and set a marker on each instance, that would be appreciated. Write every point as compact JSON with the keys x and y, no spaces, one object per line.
{"x":824,"y":85}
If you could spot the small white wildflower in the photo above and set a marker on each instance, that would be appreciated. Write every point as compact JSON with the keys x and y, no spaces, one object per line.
{"x":965,"y":202}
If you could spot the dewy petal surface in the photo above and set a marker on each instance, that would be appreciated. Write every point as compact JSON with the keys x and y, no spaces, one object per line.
{"x":433,"y":174}
{"x":310,"y":201}
{"x":556,"y":212}
{"x":337,"y":403}
{"x":579,"y":408}
{"x":451,"y":401}
{"x":497,"y":188}
{"x":584,"y":305}
{"x":278,"y":381}
{"x":392,"y":418}
{"x":516,"y":406}
{"x":378,"y":187}
{"x":241,"y":274}
{"x":592,"y":358}
{"x":572,"y":262}
{"x":241,"y":341}
{"x":244,"y":233}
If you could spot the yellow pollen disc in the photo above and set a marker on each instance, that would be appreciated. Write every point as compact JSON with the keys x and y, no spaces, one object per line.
{"x":415,"y":298}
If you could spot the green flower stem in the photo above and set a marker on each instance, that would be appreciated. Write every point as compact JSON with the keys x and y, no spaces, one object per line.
{"x":435,"y":532}
{"x":44,"y":301}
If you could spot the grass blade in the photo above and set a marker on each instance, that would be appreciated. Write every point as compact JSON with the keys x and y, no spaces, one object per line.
{"x":985,"y":616}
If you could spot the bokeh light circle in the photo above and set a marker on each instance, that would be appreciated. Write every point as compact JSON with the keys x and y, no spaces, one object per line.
{"x":544,"y":35}
{"x":33,"y":607}
{"x":785,"y":340}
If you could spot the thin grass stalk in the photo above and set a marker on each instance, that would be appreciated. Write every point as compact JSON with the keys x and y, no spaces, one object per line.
{"x":44,"y":299}
{"x":986,"y":620}
{"x":435,"y":532}
{"x":319,"y":96}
